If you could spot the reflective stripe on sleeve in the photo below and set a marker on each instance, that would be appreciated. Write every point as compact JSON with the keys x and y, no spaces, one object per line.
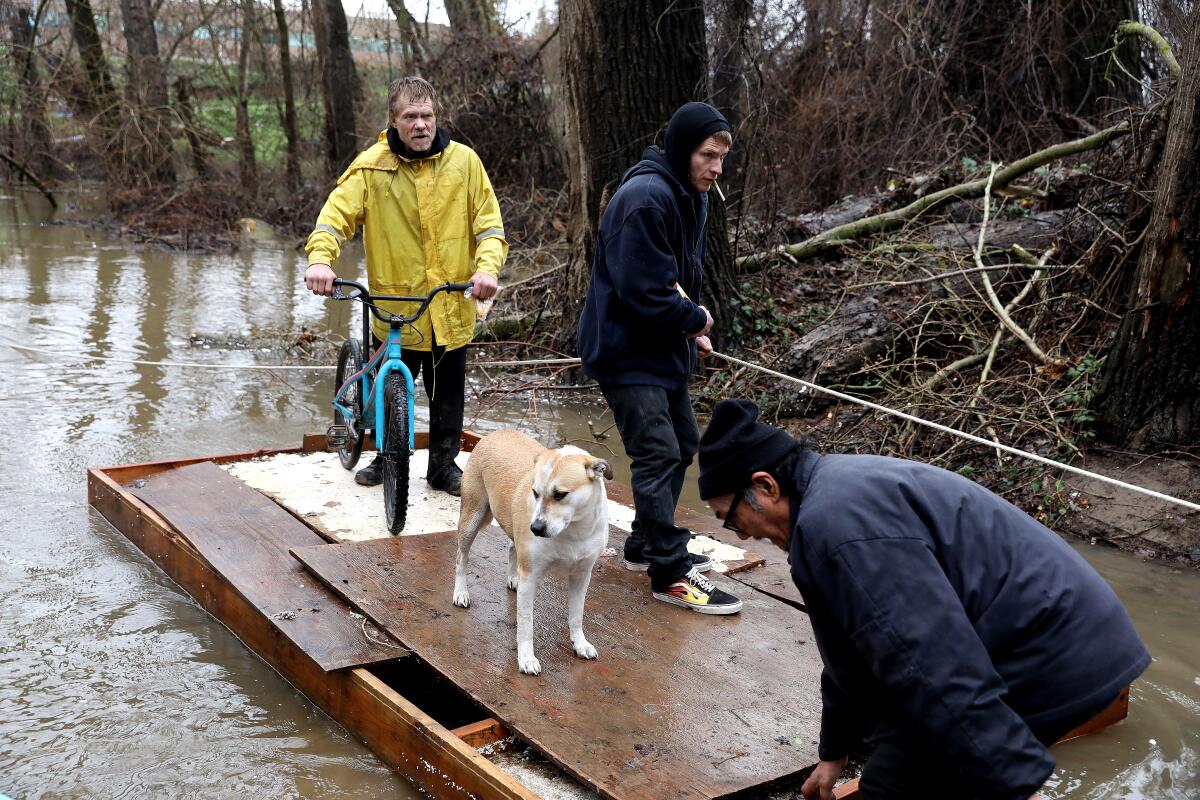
{"x":323,"y":227}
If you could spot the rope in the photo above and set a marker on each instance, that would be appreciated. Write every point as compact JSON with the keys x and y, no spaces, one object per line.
{"x":141,"y":362}
{"x":545,"y":362}
{"x":961,"y":434}
{"x":548,"y":362}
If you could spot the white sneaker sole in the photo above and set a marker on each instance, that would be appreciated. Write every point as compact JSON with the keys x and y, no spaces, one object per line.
{"x":641,"y":566}
{"x":731,"y":608}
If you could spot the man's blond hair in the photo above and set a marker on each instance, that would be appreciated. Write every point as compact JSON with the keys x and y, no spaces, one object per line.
{"x":724,"y":137}
{"x":408,"y":90}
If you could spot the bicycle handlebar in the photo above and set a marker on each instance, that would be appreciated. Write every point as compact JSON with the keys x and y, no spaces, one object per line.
{"x":365,"y":297}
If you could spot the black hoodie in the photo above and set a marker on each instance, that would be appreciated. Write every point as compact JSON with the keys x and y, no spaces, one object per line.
{"x":635,"y":321}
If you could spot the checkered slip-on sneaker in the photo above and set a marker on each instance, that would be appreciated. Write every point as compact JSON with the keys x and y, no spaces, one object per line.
{"x":700,"y":562}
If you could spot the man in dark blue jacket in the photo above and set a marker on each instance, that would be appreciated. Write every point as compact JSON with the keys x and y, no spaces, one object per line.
{"x":641,"y":332}
{"x":959,"y":635}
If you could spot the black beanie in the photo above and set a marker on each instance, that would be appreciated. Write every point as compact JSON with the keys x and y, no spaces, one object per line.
{"x":736,"y":445}
{"x":690,"y":125}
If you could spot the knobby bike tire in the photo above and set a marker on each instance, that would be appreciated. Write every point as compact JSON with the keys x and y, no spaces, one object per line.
{"x":395,"y":453}
{"x":350,"y":362}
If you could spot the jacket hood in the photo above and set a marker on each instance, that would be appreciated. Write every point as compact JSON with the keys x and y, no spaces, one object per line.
{"x":654,"y":161}
{"x":440,"y":141}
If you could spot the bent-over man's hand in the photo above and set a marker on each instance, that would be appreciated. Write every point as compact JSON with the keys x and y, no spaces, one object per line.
{"x":819,"y":785}
{"x":485,"y":286}
{"x":703,"y":346}
{"x":319,"y":278}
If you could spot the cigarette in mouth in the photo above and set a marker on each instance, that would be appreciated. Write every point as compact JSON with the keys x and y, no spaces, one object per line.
{"x":720,"y":194}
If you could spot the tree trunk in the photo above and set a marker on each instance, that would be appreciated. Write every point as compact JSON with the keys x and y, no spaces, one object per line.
{"x":183,"y":95}
{"x":289,"y":98}
{"x":247,"y":163}
{"x":626,"y":68}
{"x":473,"y":16}
{"x":35,"y":135}
{"x":731,"y":87}
{"x":151,"y":153}
{"x":1148,"y":394}
{"x":731,"y":93}
{"x":340,"y":81}
{"x":102,"y":98}
{"x":411,"y":42}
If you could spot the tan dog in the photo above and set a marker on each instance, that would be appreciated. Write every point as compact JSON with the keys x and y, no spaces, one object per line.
{"x":553,"y":506}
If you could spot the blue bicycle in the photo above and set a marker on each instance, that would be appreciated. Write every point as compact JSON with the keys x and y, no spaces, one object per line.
{"x":376,"y":395}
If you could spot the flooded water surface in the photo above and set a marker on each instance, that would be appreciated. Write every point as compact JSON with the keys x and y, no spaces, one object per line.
{"x":115,"y":684}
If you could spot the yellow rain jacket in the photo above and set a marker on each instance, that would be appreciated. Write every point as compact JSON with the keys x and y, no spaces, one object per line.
{"x":426,"y":222}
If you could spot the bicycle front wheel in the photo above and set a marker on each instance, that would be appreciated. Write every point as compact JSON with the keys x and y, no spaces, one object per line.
{"x":395,"y":452}
{"x":350,"y":362}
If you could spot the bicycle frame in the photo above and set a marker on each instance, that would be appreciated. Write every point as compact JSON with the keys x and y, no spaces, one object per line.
{"x":374,"y":371}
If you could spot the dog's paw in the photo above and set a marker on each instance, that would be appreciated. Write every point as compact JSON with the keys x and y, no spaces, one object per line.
{"x":511,"y":583}
{"x":585,"y":649}
{"x":462,"y":599}
{"x":529,"y":665}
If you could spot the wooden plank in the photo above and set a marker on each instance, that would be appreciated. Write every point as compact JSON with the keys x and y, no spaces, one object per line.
{"x":246,"y":537}
{"x":482,"y":733}
{"x":849,"y":790}
{"x":678,"y":705}
{"x":400,"y":734}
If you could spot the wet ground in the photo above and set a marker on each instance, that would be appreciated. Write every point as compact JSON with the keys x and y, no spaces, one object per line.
{"x":113,"y":683}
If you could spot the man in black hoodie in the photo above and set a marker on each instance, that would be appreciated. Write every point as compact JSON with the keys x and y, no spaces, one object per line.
{"x":959,"y":635}
{"x":640,"y":334}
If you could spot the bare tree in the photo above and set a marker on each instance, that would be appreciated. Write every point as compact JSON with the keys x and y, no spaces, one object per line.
{"x":35,"y":135}
{"x":626,"y":68}
{"x":339,"y":81}
{"x":1149,"y":389}
{"x":473,"y":16}
{"x":247,"y":162}
{"x":148,"y":149}
{"x":412,"y":43}
{"x":101,"y":98}
{"x":289,"y":97}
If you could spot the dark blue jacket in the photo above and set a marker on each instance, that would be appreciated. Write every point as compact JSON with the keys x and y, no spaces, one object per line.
{"x":938,"y":605}
{"x":634,"y":325}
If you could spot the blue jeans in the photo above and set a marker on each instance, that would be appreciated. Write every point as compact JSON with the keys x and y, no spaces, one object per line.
{"x":661,"y":439}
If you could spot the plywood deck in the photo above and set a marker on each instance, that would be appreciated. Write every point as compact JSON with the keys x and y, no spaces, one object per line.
{"x":246,"y":538}
{"x":678,"y":705}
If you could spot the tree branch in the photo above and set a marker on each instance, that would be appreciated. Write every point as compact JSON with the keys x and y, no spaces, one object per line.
{"x":963,"y":191}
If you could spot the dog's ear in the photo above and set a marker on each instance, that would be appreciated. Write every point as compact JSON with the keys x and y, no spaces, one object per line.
{"x":599,"y":466}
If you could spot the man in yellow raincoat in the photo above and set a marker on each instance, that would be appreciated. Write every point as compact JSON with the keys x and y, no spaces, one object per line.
{"x":429,"y":217}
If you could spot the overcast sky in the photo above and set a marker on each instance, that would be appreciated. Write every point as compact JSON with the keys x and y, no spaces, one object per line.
{"x":519,"y":15}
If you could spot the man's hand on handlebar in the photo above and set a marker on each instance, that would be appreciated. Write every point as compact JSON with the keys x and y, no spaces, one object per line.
{"x":484,"y":286}
{"x":319,"y":278}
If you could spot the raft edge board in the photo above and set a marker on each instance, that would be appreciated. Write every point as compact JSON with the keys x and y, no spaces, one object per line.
{"x":404,"y":737}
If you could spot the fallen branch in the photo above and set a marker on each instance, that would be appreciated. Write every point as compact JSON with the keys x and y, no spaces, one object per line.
{"x":1001,"y":311}
{"x":1131,"y":28}
{"x":890,"y":220}
{"x":19,"y":167}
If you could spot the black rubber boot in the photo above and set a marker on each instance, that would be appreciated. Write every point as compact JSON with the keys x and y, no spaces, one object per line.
{"x":370,"y":475}
{"x":448,"y":479}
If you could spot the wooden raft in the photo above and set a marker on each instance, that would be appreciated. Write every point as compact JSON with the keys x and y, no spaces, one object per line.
{"x":678,"y":705}
{"x":246,"y":538}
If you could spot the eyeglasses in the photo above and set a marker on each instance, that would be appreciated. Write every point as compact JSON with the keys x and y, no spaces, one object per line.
{"x":729,"y":524}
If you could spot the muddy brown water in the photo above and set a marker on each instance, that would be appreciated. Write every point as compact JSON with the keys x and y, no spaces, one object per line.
{"x":114,"y":684}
